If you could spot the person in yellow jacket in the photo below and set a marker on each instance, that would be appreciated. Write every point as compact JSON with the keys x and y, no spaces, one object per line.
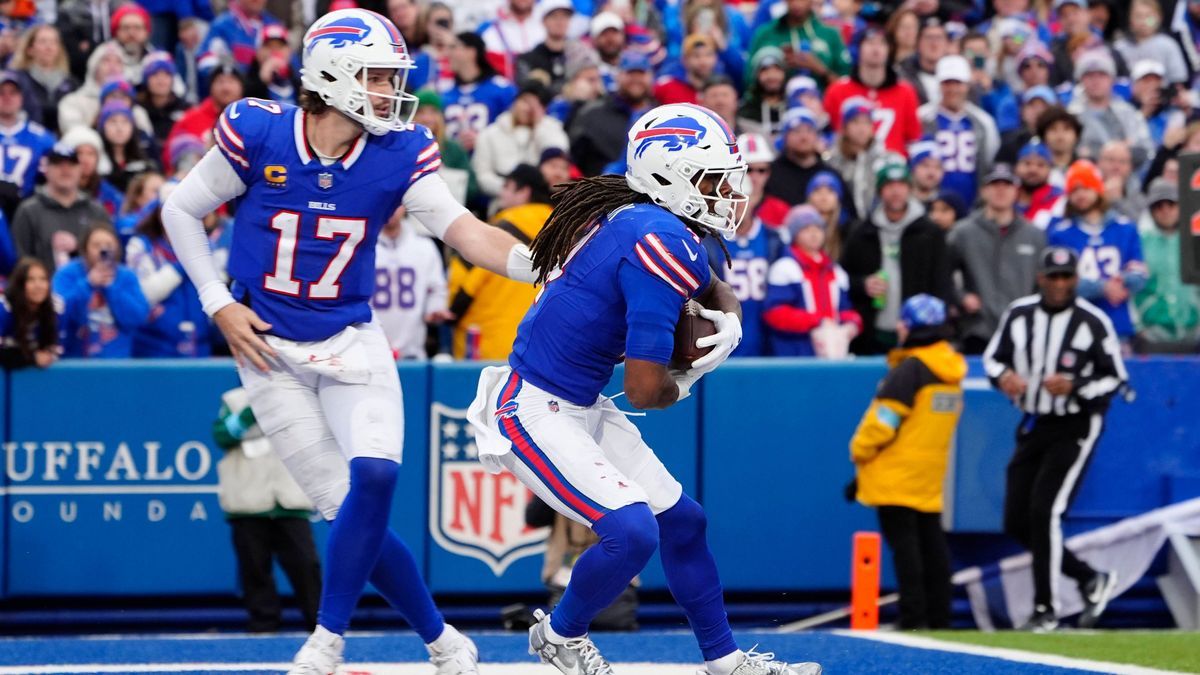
{"x":489,"y":307}
{"x":900,"y":452}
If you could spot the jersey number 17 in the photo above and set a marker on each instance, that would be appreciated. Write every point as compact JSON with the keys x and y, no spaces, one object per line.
{"x":328,"y":286}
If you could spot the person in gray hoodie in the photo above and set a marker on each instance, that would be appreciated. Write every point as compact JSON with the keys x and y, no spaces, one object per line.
{"x":892,"y":255}
{"x":995,"y":250}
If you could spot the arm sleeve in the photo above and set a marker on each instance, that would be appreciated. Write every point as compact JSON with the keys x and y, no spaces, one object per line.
{"x":439,"y":294}
{"x":211,"y":183}
{"x":651,"y":312}
{"x":429,"y":200}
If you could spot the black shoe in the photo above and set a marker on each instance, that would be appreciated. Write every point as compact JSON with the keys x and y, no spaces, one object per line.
{"x":1042,"y":621}
{"x":1096,"y":594}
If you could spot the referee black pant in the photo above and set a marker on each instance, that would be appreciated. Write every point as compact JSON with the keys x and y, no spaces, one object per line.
{"x":1052,"y":453}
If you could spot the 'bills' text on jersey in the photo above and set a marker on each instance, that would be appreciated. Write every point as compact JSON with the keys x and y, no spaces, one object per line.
{"x":618,"y":295}
{"x":303,"y":248}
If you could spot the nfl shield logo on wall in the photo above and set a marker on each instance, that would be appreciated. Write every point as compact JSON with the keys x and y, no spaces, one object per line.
{"x":324,"y":180}
{"x":473,"y":512}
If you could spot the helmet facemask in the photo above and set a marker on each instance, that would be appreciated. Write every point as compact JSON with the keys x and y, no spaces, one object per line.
{"x":716,"y":200}
{"x":355,"y":100}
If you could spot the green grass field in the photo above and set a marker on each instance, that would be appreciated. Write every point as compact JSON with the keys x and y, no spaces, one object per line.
{"x":1169,"y":650}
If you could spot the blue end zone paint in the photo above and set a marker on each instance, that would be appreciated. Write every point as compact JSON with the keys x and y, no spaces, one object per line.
{"x":838,"y":654}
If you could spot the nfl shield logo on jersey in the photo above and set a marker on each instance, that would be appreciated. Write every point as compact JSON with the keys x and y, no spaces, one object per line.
{"x":325,"y":180}
{"x":473,"y":512}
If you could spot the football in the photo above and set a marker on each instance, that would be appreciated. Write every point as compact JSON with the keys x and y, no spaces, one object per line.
{"x":691,"y":327}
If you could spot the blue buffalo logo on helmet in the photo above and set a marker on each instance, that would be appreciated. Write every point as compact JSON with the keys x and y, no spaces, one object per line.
{"x":675,"y":134}
{"x":352,"y":30}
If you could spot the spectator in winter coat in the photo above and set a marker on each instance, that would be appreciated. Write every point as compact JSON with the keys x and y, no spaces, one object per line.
{"x":548,"y":59}
{"x":24,"y":144}
{"x":698,"y":66}
{"x":1105,"y":117}
{"x":128,"y":151}
{"x":799,"y":160}
{"x":856,"y":151}
{"x":516,"y":137}
{"x":966,"y":135}
{"x":598,"y":132}
{"x":1060,"y":131}
{"x":893,"y":254}
{"x":765,"y":101}
{"x":274,"y":75}
{"x":131,"y":35}
{"x":177,"y":326}
{"x":808,"y":310}
{"x":996,"y":251}
{"x":81,"y":107}
{"x":1146,"y":40}
{"x":1034,"y":103}
{"x":919,"y":69}
{"x":1168,"y":310}
{"x":1039,"y":201}
{"x":516,"y":30}
{"x":927,"y":171}
{"x":825,"y":195}
{"x":227,"y":87}
{"x":103,"y":302}
{"x":29,"y":333}
{"x":900,"y":452}
{"x":94,"y":168}
{"x":1155,"y":104}
{"x":41,"y":66}
{"x":157,"y":96}
{"x":49,"y":225}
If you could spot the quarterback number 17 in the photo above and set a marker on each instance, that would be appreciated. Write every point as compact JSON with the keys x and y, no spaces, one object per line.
{"x":327,"y":287}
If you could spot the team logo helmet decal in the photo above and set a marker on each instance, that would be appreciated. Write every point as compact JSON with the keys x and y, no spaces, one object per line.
{"x":675,"y":134}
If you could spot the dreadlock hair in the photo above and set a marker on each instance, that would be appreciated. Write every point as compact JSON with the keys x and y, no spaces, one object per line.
{"x":577,"y":205}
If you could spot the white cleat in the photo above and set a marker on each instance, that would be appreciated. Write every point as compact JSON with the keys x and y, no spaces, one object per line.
{"x":765,"y":664}
{"x":320,"y":655}
{"x":461,"y":658}
{"x":576,"y":656}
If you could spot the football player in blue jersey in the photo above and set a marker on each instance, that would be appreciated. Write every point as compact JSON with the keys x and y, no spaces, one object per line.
{"x":619,"y":257}
{"x":1111,"y":266}
{"x":315,"y":185}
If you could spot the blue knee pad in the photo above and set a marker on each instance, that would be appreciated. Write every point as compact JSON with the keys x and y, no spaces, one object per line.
{"x":684,"y":524}
{"x":628,"y":537}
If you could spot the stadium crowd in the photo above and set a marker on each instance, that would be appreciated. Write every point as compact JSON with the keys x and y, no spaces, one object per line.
{"x":894,"y":149}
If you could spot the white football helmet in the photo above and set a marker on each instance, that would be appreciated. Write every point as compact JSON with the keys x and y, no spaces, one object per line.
{"x":673,"y":149}
{"x":339,"y":48}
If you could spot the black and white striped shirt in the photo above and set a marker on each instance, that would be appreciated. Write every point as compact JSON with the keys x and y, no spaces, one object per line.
{"x":1078,"y":341}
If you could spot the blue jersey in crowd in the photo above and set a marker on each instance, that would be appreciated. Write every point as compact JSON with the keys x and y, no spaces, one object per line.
{"x":1105,"y":252}
{"x":476,"y":105}
{"x":303,"y":250}
{"x":22,"y":146}
{"x":746,"y":273}
{"x":618,"y":296}
{"x":956,"y":140}
{"x":99,"y":322}
{"x":177,"y":326}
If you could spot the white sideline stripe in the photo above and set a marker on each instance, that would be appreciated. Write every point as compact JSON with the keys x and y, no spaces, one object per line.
{"x":1004,"y":653}
{"x":349,"y":669}
{"x":110,"y":490}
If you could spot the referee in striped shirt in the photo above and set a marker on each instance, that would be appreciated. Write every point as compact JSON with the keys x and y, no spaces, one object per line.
{"x":1058,"y":358}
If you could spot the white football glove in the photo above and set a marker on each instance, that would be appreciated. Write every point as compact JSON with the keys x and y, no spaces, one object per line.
{"x":723,"y":342}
